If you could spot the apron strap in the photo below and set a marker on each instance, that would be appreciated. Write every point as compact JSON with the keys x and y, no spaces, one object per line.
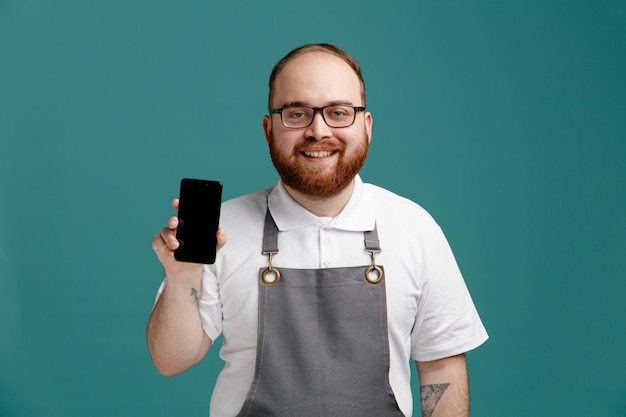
{"x":270,"y":234}
{"x":372,"y":244}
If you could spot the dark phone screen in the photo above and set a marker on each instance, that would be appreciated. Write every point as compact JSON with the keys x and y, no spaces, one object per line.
{"x":198,"y":220}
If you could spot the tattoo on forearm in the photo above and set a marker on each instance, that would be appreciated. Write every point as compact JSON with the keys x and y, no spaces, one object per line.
{"x":196,"y":300}
{"x":430,"y":396}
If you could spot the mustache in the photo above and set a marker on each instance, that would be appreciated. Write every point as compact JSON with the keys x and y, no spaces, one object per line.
{"x":324,"y":144}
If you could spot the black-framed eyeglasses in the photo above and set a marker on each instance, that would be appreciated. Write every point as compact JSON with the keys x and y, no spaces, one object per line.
{"x":335,"y":115}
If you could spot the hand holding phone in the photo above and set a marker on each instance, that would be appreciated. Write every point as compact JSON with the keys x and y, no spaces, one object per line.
{"x":198,"y":220}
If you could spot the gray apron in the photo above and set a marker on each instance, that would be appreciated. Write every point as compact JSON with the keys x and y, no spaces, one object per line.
{"x":322,"y":341}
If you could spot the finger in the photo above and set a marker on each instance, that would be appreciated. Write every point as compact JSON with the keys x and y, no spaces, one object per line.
{"x":222,"y":238}
{"x":158,"y":244}
{"x":175,"y":203}
{"x":173,"y":223}
{"x":169,"y":238}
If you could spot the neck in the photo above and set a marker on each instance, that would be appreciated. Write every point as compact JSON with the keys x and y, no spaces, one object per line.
{"x":329,"y":206}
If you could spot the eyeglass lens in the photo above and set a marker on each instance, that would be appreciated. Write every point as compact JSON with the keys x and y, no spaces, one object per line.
{"x":334,"y":116}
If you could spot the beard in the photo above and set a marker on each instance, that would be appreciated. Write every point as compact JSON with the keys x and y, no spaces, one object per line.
{"x":318,"y":181}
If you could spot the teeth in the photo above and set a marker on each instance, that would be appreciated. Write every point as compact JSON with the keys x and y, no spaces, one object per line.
{"x":318,"y":154}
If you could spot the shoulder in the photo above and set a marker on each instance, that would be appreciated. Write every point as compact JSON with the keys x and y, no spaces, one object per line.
{"x":396,"y":208}
{"x":405,"y":227}
{"x":241,"y":211}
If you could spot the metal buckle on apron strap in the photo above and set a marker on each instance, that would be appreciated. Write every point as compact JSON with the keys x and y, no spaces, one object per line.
{"x":373,"y":273}
{"x":273,"y":272}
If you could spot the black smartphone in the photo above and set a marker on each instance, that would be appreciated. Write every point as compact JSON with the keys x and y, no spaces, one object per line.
{"x":198,"y":219}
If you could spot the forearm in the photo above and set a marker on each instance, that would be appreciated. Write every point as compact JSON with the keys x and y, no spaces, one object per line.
{"x":175,"y":337}
{"x":444,"y":387}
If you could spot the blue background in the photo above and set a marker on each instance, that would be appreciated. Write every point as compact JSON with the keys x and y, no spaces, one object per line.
{"x":505,"y":119}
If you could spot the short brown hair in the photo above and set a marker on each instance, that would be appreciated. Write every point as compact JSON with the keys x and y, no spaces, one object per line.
{"x":315,"y":47}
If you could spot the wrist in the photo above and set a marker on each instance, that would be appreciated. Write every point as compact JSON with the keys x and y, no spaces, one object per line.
{"x":182,"y":282}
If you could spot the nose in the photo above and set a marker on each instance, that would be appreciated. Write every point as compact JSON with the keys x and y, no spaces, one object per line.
{"x":318,"y":129}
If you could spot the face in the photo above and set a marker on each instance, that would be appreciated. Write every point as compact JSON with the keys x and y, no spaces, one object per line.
{"x":317,"y":160}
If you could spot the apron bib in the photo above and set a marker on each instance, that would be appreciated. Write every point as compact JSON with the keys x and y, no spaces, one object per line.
{"x":322,"y":341}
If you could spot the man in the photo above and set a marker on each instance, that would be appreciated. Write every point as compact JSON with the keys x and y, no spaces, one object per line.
{"x":327,"y":287}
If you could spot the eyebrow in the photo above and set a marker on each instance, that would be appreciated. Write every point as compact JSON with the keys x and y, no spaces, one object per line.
{"x":304,"y":104}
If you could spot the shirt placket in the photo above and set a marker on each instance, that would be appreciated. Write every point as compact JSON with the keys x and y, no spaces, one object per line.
{"x":324,"y":245}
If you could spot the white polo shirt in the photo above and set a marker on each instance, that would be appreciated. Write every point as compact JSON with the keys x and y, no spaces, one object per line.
{"x":430,"y":312}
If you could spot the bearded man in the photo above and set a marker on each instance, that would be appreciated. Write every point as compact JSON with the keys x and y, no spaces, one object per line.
{"x":328,"y":288}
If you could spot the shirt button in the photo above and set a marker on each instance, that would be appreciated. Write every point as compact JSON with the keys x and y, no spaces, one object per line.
{"x":326,"y":264}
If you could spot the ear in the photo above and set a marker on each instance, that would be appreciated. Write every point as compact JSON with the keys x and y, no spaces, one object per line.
{"x":368,"y":126}
{"x":267,"y":127}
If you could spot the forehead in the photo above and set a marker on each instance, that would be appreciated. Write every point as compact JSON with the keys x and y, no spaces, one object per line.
{"x":316,"y":79}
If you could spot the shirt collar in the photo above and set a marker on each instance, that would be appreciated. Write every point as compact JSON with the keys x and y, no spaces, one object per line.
{"x":357,"y":215}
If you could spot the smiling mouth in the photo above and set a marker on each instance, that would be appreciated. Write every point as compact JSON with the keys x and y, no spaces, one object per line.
{"x":317,"y":154}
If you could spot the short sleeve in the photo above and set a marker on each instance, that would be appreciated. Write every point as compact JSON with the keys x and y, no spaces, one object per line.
{"x":210,"y":304}
{"x":447,"y":322}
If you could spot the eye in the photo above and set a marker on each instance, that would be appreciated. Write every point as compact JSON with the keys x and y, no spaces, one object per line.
{"x":295,"y":113}
{"x":339,"y":112}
